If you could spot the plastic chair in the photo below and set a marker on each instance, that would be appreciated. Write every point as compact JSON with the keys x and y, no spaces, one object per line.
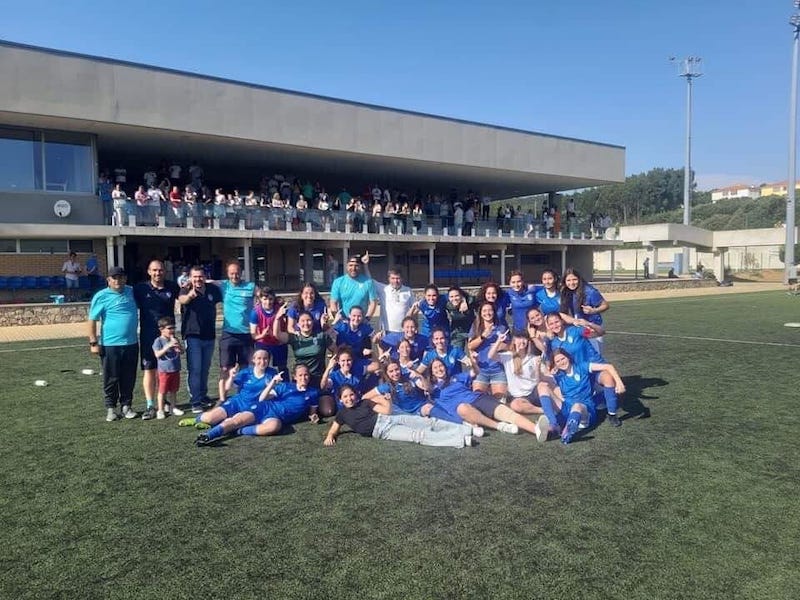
{"x":30,"y":282}
{"x":83,"y":282}
{"x":15,"y":284}
{"x":3,"y":282}
{"x":43,"y":282}
{"x":57,"y":282}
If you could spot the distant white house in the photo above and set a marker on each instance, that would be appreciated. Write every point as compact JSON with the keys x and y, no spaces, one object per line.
{"x":742,"y":190}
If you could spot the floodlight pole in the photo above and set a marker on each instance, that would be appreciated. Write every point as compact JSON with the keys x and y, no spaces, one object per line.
{"x":690,"y":69}
{"x":790,"y":271}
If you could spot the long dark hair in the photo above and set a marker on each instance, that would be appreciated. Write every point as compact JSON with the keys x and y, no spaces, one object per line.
{"x":408,"y":386}
{"x":477,"y":327}
{"x":572,"y":300}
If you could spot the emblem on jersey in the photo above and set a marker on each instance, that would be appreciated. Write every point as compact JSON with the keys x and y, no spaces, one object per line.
{"x":576,"y":377}
{"x":210,"y":299}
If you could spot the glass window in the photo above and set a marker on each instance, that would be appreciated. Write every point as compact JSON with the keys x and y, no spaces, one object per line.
{"x":20,"y":160}
{"x":81,"y":246}
{"x":8,"y":245}
{"x":43,"y":246}
{"x":68,"y":162}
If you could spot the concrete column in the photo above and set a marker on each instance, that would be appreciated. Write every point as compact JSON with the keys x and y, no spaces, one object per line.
{"x":719,"y":263}
{"x":248,"y":267}
{"x":120,"y":252}
{"x":502,"y":265}
{"x":430,"y":264}
{"x":654,"y":266}
{"x":308,"y":262}
{"x":389,"y":255}
{"x":613,"y":265}
{"x":110,"y":252}
{"x":563,"y":259}
{"x":518,"y":253}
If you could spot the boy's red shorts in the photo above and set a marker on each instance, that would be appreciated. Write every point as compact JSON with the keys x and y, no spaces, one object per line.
{"x":168,"y":382}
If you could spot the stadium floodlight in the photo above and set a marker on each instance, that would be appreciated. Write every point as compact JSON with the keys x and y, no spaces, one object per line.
{"x":790,"y":271}
{"x":690,"y":69}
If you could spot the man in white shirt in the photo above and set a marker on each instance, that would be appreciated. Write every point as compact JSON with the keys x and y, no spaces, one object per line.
{"x":71,"y":269}
{"x":395,"y":298}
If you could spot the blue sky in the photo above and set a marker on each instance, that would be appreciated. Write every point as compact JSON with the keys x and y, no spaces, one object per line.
{"x":585,"y":69}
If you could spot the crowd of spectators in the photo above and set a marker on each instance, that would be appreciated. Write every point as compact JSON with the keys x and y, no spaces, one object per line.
{"x":288,"y":202}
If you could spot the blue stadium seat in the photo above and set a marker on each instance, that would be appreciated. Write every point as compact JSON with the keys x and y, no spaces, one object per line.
{"x":3,"y":282}
{"x":43,"y":282}
{"x":30,"y":282}
{"x":57,"y":282}
{"x":83,"y":282}
{"x":15,"y":284}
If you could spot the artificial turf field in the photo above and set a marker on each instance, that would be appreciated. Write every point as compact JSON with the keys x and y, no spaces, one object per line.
{"x":696,"y":496}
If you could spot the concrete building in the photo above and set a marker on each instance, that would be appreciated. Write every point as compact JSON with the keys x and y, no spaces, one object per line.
{"x":65,"y":117}
{"x":741,"y":190}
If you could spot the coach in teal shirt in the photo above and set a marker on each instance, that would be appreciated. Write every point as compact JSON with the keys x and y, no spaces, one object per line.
{"x":353,"y":289}
{"x":236,"y":343}
{"x":118,"y":342}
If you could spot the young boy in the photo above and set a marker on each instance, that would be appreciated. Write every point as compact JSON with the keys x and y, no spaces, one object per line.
{"x":167,"y":350}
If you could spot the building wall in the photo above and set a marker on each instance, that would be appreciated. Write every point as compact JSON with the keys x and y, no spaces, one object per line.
{"x":44,"y":264}
{"x":37,"y":207}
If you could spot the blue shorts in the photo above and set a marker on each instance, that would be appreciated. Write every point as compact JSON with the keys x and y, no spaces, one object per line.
{"x":492,"y":378}
{"x":236,"y":404}
{"x":440,"y":412}
{"x":267,"y":409}
{"x":566,"y":408}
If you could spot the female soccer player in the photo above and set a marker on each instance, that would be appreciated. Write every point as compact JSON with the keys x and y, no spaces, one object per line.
{"x":455,"y":400}
{"x":548,"y":297}
{"x":578,"y":409}
{"x":461,"y":316}
{"x":433,"y":309}
{"x":343,"y":370}
{"x":452,"y":357}
{"x":250,"y":383}
{"x":390,"y":341}
{"x":292,"y":402}
{"x":492,"y":292}
{"x":262,"y":318}
{"x":307,"y":300}
{"x":354,"y":332}
{"x":373,"y":418}
{"x":404,"y":392}
{"x":580,"y":300}
{"x":484,"y":333}
{"x":521,"y":298}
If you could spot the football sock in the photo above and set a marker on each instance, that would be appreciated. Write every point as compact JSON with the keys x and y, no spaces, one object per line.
{"x":248,"y":430}
{"x":215,"y":432}
{"x":610,"y":396}
{"x":549,"y":411}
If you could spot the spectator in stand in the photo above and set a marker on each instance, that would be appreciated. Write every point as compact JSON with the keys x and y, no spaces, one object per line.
{"x":190,"y":201}
{"x":104,"y":189}
{"x":469,"y":219}
{"x":416,"y":217}
{"x":120,"y":204}
{"x":155,"y":199}
{"x":120,"y":175}
{"x":556,"y":221}
{"x":176,"y":202}
{"x":72,"y":270}
{"x":175,"y":174}
{"x":140,"y":196}
{"x":458,"y":218}
{"x":196,"y":175}
{"x":445,"y":214}
{"x":486,"y":202}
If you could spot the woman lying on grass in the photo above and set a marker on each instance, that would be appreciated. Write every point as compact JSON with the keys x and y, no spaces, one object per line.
{"x":250,"y":383}
{"x":454,"y":400}
{"x":373,"y":418}
{"x":578,"y":410}
{"x":291,"y":403}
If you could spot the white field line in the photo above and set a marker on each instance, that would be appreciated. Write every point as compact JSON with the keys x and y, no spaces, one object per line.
{"x":42,"y":348}
{"x":704,"y":339}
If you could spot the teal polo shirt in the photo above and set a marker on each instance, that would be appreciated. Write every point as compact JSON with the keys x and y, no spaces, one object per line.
{"x":119,"y":315}
{"x":350,"y":292}
{"x":237,"y":303}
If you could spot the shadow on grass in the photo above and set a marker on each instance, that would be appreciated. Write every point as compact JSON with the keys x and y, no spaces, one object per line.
{"x":635,"y":386}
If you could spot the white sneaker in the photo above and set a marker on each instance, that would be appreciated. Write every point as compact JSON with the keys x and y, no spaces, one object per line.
{"x":467,"y":441}
{"x":504,"y":427}
{"x":111,"y":415}
{"x":176,"y":411}
{"x":128,"y":412}
{"x":161,"y":415}
{"x":166,"y":408}
{"x":542,"y":428}
{"x":477,"y":431}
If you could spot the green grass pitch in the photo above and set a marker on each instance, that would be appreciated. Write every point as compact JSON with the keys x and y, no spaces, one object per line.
{"x":698,"y":500}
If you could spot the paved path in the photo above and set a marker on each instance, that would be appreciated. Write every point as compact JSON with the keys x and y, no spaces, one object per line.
{"x":78,"y":330}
